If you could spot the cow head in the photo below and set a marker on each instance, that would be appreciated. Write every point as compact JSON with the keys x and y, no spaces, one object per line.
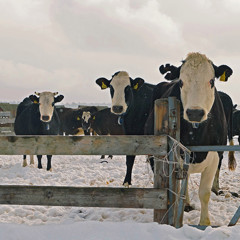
{"x":46,"y":102}
{"x":86,"y":116}
{"x":121,"y":90}
{"x":196,"y":77}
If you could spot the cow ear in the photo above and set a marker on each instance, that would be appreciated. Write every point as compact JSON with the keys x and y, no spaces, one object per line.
{"x":136,"y":83}
{"x":172,"y":71}
{"x":103,"y":83}
{"x":34,"y":99}
{"x":59,"y":98}
{"x":223,"y":71}
{"x":234,"y":106}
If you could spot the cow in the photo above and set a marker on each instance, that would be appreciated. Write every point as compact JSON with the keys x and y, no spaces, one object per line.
{"x":202,"y":117}
{"x":86,"y":115}
{"x":70,"y":120}
{"x":104,"y":122}
{"x":228,"y":110}
{"x":37,"y":115}
{"x":131,"y":99}
{"x":236,"y":122}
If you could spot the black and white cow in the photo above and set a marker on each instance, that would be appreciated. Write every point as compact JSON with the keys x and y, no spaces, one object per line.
{"x":131,"y":101}
{"x":37,"y":115}
{"x":70,"y":120}
{"x":201,"y":105}
{"x":104,"y":122}
{"x":86,"y":115}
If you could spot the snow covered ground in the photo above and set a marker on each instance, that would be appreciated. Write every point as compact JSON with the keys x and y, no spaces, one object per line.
{"x":41,"y":222}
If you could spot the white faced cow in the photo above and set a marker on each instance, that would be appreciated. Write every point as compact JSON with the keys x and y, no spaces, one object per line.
{"x":36,"y":115}
{"x":131,"y":100}
{"x":201,"y":106}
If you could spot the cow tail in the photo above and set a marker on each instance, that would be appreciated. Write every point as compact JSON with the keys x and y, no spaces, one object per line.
{"x":232,"y":164}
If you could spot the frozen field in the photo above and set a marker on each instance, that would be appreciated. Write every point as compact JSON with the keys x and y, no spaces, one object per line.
{"x":42,"y":222}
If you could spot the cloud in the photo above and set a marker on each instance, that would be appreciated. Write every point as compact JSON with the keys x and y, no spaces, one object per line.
{"x":65,"y":46}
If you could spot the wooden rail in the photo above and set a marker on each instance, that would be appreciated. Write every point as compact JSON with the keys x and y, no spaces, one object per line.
{"x":83,"y":145}
{"x":84,"y":196}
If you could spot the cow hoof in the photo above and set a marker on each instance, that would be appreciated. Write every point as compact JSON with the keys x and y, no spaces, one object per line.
{"x":234,"y":194}
{"x":126,"y":185}
{"x":50,"y":170}
{"x":188,"y":208}
{"x":24,"y":165}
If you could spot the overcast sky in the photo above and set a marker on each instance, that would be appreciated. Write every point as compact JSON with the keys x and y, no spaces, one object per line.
{"x":65,"y":45}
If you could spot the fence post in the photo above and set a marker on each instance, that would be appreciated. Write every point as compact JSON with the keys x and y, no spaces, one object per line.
{"x":167,"y":121}
{"x":160,"y":167}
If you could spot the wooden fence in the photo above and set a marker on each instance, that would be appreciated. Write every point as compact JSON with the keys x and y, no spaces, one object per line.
{"x":166,"y":197}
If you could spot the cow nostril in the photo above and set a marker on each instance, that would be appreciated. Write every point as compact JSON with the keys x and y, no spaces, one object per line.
{"x":195,"y":115}
{"x":45,"y":118}
{"x":117,"y":109}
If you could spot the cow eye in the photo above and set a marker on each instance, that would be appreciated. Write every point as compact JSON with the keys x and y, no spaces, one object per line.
{"x":53,"y":103}
{"x":111,"y":91}
{"x":211,"y":83}
{"x":180,"y":83}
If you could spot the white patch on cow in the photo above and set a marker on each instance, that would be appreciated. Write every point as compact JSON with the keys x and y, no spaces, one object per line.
{"x":46,"y":106}
{"x":119,"y":83}
{"x":208,"y":169}
{"x":196,"y":93}
{"x":86,"y":116}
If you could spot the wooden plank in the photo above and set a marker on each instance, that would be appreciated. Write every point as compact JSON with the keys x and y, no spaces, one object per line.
{"x":160,"y":168}
{"x":83,"y":145}
{"x":7,"y":120}
{"x":84,"y":196}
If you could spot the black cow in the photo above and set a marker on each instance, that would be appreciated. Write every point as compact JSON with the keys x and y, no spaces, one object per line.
{"x":104,"y":122}
{"x":236,"y":123}
{"x":228,"y":110}
{"x":131,"y":101}
{"x":70,"y":120}
{"x":86,"y":115}
{"x":37,"y":115}
{"x":203,"y":120}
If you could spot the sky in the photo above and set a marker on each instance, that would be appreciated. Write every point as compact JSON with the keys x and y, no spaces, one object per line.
{"x":64,"y":46}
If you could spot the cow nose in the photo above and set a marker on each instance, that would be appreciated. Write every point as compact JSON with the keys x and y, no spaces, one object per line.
{"x":117,"y":109}
{"x":45,"y":118}
{"x":195,"y":115}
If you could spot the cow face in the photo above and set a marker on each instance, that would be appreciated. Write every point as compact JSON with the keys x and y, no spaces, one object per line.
{"x":46,"y":101}
{"x":86,"y":115}
{"x":121,"y":90}
{"x":196,"y":81}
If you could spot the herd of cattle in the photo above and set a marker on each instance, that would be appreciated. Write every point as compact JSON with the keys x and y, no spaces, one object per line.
{"x":207,"y":116}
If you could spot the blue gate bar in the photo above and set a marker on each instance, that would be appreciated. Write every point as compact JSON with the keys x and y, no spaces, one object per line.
{"x":213,"y":148}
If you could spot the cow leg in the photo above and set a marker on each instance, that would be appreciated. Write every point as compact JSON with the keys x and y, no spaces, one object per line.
{"x":188,"y":206}
{"x":39,"y":157}
{"x":128,"y":177}
{"x":31,"y":159}
{"x":24,"y":161}
{"x":206,"y":182}
{"x":49,"y":158}
{"x":110,"y":156}
{"x":231,"y":158}
{"x":102,"y":157}
{"x":215,"y":186}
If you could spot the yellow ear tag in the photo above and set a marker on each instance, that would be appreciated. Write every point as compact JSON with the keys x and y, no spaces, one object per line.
{"x":94,"y":118}
{"x":223,"y":77}
{"x":35,"y":101}
{"x":78,"y":118}
{"x":135,"y":86}
{"x":104,"y":86}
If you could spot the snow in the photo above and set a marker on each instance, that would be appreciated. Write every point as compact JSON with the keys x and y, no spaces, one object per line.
{"x":56,"y":223}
